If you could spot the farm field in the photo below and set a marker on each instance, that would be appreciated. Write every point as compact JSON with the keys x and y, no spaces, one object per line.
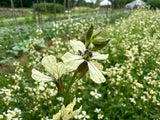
{"x":27,"y":16}
{"x":95,"y":68}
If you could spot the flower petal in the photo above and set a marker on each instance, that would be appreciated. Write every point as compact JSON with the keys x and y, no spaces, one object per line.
{"x":49,"y":62}
{"x":68,"y":112}
{"x":71,"y":114}
{"x":77,"y":111}
{"x":72,"y":61}
{"x":71,"y":106}
{"x":58,"y":70}
{"x":40,"y":77}
{"x":95,"y":74}
{"x":77,"y":45}
{"x":98,"y":56}
{"x":57,"y":116}
{"x":98,"y":65}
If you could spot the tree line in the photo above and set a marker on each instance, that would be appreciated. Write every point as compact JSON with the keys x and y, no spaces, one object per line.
{"x":116,"y":3}
{"x":25,"y":3}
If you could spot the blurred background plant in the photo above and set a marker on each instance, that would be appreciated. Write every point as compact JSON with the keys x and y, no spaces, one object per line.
{"x":132,"y":70}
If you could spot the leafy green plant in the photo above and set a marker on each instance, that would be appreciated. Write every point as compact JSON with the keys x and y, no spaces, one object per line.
{"x":131,"y":73}
{"x":154,"y":3}
{"x":82,"y":10}
{"x":50,"y":6}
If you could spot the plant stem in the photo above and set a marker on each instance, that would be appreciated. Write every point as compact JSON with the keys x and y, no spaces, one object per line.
{"x":87,"y":45}
{"x":69,"y":87}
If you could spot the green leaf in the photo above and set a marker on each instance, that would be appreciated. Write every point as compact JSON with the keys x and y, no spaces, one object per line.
{"x":25,"y":49}
{"x":89,"y":34}
{"x":99,"y":43}
{"x":16,"y":48}
{"x":8,"y":59}
{"x":96,"y":33}
{"x":100,"y":40}
{"x":83,"y":38}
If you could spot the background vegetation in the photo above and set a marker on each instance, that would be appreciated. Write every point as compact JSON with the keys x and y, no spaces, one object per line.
{"x":132,"y":70}
{"x":116,"y":3}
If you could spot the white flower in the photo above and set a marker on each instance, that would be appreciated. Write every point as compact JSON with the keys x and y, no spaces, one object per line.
{"x":79,"y":99}
{"x":95,"y":94}
{"x":132,"y":100}
{"x":1,"y":117}
{"x":72,"y":61}
{"x":84,"y":115}
{"x":97,"y":110}
{"x":67,"y":113}
{"x":55,"y":69}
{"x":39,"y":31}
{"x":100,"y":116}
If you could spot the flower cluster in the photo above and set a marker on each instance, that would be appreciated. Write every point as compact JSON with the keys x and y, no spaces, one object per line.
{"x":127,"y":64}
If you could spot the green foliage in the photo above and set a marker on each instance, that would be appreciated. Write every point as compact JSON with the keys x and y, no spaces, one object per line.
{"x":114,"y":17}
{"x":26,"y":3}
{"x":21,"y":47}
{"x":99,"y":43}
{"x":88,"y":36}
{"x":82,"y":10}
{"x":132,"y":41}
{"x":17,"y":3}
{"x":154,"y":3}
{"x":132,"y":70}
{"x":14,"y":39}
{"x":50,"y":7}
{"x":92,"y":37}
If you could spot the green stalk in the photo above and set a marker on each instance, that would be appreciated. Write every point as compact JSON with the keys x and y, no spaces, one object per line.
{"x":87,"y":45}
{"x":69,"y":87}
{"x":59,"y":85}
